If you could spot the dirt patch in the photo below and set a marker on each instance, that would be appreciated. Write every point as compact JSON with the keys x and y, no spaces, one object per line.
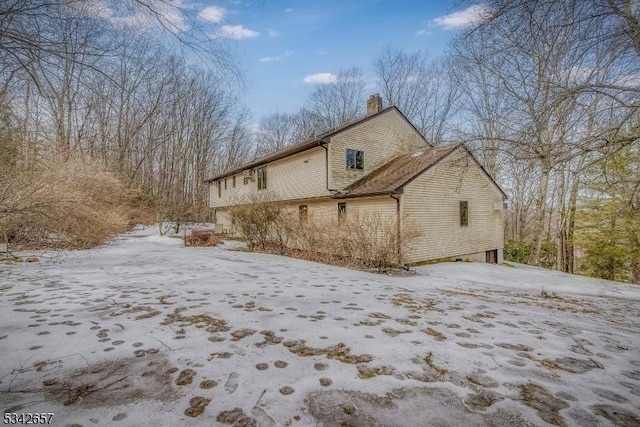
{"x":539,"y":398}
{"x":616,"y":415}
{"x":366,"y":372}
{"x":401,"y":407}
{"x":207,"y":384}
{"x":236,"y":417}
{"x":280,"y":364}
{"x":113,"y":383}
{"x":185,"y":377}
{"x":239,"y":334}
{"x":197,"y":406}
{"x":434,"y":333}
{"x":339,"y":351}
{"x":395,"y":332}
{"x":211,"y":324}
{"x":286,"y":390}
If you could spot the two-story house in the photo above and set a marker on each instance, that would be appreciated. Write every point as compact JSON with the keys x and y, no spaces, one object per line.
{"x":379,"y":164}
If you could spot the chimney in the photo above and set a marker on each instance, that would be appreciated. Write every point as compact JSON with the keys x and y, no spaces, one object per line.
{"x":374,"y":104}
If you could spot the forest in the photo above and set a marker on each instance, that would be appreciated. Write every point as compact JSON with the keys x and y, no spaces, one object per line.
{"x":115,"y":111}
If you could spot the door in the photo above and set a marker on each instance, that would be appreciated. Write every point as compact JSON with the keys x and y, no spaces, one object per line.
{"x":492,"y":256}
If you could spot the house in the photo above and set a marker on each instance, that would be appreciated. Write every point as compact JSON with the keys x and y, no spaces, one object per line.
{"x":379,"y":164}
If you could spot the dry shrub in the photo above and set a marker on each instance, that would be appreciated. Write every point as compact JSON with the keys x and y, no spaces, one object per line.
{"x":61,"y":204}
{"x":203,"y":238}
{"x":360,"y":240}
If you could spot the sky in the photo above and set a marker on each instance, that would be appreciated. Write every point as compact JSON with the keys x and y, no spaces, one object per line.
{"x":286,"y":48}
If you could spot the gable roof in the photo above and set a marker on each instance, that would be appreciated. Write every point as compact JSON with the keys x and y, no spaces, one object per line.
{"x":394,"y":175}
{"x":309,"y":143}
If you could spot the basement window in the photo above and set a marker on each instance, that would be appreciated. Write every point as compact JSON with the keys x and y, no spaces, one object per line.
{"x":464,"y":213}
{"x":262,"y":178}
{"x":342,"y":211}
{"x":302,"y":213}
{"x":355,"y":159}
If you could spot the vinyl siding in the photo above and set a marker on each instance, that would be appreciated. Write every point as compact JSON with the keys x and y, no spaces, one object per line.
{"x":431,"y":203}
{"x":327,"y":210}
{"x":299,"y":176}
{"x":381,"y":138}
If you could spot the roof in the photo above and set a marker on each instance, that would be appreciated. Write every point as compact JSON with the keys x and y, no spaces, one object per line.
{"x":394,"y":175}
{"x":305,"y":145}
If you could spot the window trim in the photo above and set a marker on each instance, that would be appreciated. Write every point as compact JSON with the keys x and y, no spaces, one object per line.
{"x":464,"y":213}
{"x":351,"y":159}
{"x":262,"y":178}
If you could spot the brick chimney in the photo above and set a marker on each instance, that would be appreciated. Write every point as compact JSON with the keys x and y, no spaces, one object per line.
{"x":374,"y":104}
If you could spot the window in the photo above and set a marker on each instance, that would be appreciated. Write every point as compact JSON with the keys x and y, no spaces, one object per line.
{"x":302,"y":213}
{"x":219,"y":189}
{"x":355,"y":159}
{"x":342,"y":211}
{"x":225,"y":183}
{"x":233,"y":180}
{"x":464,"y":213}
{"x":262,"y":178}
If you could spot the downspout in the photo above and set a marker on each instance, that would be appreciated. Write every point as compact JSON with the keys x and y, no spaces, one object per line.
{"x":324,"y":144}
{"x":398,"y":230}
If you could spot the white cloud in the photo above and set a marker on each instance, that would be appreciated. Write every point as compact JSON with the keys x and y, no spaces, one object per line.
{"x":275,"y":58}
{"x":272,"y":32}
{"x":321,"y":78}
{"x":213,"y":14}
{"x":288,"y":10}
{"x":168,"y":14}
{"x":236,"y":32}
{"x":469,"y":16}
{"x":423,"y":33}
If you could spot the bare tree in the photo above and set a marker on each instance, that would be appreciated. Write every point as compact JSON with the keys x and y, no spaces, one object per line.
{"x":340,"y":101}
{"x":423,"y":90}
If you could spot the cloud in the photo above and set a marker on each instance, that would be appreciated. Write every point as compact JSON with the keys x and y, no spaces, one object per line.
{"x":272,"y":32}
{"x":321,"y":78}
{"x":469,"y":16}
{"x":423,"y":33}
{"x":288,"y":10}
{"x":213,"y":14}
{"x":275,"y":58}
{"x":236,"y":32}
{"x":168,"y":14}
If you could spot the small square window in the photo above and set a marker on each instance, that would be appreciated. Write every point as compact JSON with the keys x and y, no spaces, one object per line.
{"x":355,"y":159}
{"x":302,"y":213}
{"x":464,"y":213}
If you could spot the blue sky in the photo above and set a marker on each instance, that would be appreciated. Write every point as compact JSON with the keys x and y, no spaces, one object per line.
{"x":285,"y":48}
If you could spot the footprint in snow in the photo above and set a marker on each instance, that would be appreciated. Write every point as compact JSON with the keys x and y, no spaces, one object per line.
{"x":232,"y":383}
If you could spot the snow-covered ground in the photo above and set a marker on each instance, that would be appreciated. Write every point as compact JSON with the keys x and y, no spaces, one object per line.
{"x":147,"y":332}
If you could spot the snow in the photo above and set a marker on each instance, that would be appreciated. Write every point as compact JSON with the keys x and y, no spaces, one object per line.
{"x":110,"y":330}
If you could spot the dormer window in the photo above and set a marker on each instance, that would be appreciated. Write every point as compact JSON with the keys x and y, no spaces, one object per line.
{"x":355,"y":159}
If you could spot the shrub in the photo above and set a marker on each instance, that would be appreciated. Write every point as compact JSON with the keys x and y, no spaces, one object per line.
{"x":61,"y":204}
{"x":517,"y":251}
{"x":361,"y":240}
{"x":202,"y":238}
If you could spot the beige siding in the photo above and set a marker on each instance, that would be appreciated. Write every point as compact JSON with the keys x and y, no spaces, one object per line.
{"x":302,"y":175}
{"x":432,"y":204}
{"x":382,"y":138}
{"x":327,"y":210}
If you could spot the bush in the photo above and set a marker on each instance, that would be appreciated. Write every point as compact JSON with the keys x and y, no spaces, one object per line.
{"x":361,"y":240}
{"x":202,"y":238}
{"x":61,"y":204}
{"x":517,"y":251}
